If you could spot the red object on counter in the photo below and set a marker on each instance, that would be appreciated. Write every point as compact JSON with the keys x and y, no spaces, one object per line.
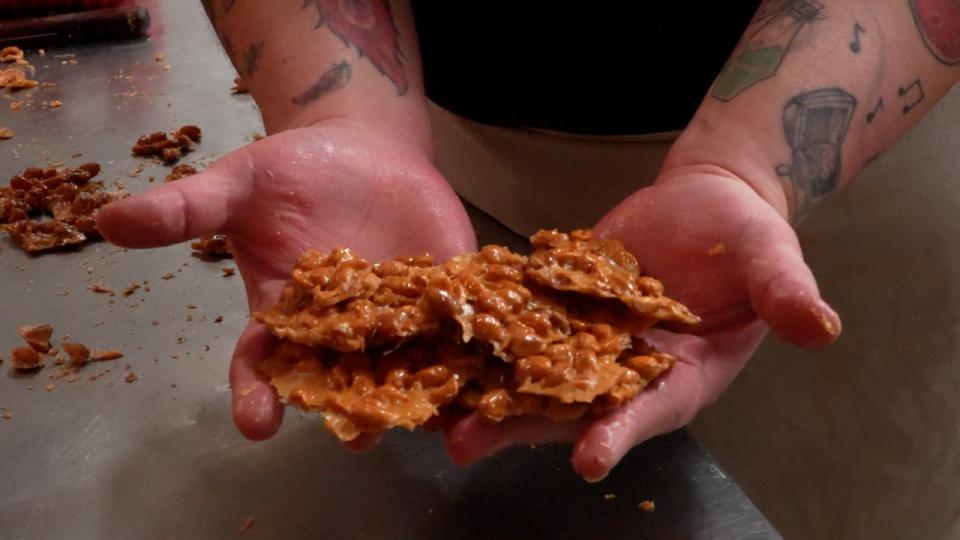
{"x":33,"y":6}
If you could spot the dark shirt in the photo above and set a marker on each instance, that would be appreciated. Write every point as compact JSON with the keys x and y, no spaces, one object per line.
{"x":601,"y":68}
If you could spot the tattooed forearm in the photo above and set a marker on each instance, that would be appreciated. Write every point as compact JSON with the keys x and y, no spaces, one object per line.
{"x":368,"y":26}
{"x":251,"y":59}
{"x":939,"y":24}
{"x":766,"y":42}
{"x":333,"y":79}
{"x":815,"y":125}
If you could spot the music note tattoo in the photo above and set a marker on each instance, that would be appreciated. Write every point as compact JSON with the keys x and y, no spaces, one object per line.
{"x":855,"y":44}
{"x":916,"y":88}
{"x":873,"y":114}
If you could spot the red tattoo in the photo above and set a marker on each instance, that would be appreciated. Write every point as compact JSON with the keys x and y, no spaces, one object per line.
{"x":939,"y":22}
{"x":368,"y":26}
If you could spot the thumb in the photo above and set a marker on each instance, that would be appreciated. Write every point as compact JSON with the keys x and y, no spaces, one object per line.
{"x":781,"y":287}
{"x":176,"y":211}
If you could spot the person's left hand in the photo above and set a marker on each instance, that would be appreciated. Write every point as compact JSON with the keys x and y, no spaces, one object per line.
{"x":733,"y":260}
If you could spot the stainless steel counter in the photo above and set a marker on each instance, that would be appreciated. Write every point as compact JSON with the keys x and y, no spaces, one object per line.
{"x":159,"y":457}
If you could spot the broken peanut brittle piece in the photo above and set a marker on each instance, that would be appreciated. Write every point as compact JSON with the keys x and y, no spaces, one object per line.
{"x":37,"y":336}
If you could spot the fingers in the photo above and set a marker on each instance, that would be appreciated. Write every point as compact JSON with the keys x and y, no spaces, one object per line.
{"x":781,"y":287}
{"x":474,"y":438}
{"x":257,"y":411}
{"x":174,"y":212}
{"x":672,"y":401}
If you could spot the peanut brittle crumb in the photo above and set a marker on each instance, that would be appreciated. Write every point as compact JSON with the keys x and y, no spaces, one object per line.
{"x":49,"y":387}
{"x":718,"y":249}
{"x":15,"y":79}
{"x":16,"y":105}
{"x":180,"y":171}
{"x":37,"y":336}
{"x":228,"y":272}
{"x":609,"y":496}
{"x":100,"y":288}
{"x":239,"y":86}
{"x":6,"y":133}
{"x":247,"y":523}
{"x":131,"y":289}
{"x":213,"y":247}
{"x":55,"y":104}
{"x":160,"y":57}
{"x":102,"y":355}
{"x":11,"y":54}
{"x":6,"y":413}
{"x":78,"y":353}
{"x":648,"y":506}
{"x":130,"y":377}
{"x":26,"y":359}
{"x":377,"y":346}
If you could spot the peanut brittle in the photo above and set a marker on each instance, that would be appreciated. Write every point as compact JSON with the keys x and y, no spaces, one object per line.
{"x":68,"y":195}
{"x":342,"y":302}
{"x":602,"y":268}
{"x":179,"y":172}
{"x":502,"y":334}
{"x":15,"y":79}
{"x":35,"y":237}
{"x":37,"y":336}
{"x":168,"y":147}
{"x":213,"y":247}
{"x":361,"y":394}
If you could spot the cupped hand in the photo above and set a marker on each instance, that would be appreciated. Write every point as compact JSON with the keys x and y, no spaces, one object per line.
{"x":733,"y":260}
{"x":319,"y":187}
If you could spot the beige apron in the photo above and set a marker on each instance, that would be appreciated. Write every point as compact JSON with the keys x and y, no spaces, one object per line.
{"x":530,"y":180}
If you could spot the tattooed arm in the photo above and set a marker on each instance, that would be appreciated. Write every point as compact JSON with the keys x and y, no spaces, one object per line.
{"x":795,"y":113}
{"x":308,"y":61}
{"x":815,"y":90}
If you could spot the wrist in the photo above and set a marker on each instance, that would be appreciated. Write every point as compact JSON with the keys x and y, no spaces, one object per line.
{"x":405,"y":124}
{"x":740,"y":158}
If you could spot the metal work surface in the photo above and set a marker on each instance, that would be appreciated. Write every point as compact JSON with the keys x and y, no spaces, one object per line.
{"x":159,"y":457}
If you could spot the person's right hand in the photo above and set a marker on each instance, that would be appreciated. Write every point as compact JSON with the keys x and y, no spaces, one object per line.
{"x":320,"y":187}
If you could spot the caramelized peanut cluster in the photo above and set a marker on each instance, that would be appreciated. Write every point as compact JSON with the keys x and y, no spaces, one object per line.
{"x":179,"y":172}
{"x":342,"y":302}
{"x":376,"y":346}
{"x":67,"y":195}
{"x":168,"y":147}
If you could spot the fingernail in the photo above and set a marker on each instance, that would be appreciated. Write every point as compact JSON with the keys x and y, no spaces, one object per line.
{"x":594,"y":471}
{"x":829,"y":321}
